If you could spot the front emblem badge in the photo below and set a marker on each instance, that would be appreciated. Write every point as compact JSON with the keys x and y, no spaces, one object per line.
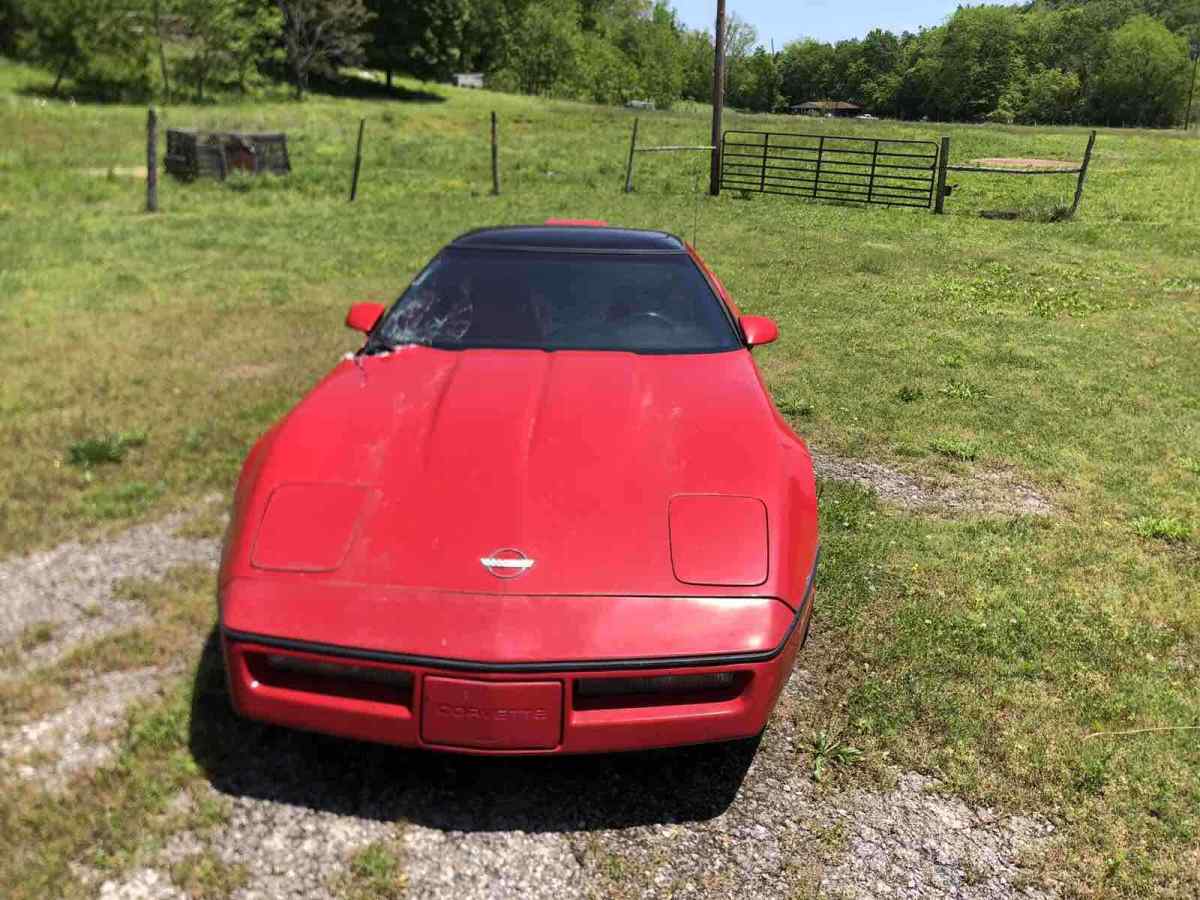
{"x":507,"y":563}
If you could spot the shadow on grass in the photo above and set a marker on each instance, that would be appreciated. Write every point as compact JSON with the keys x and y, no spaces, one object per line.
{"x":353,"y":87}
{"x":346,"y":86}
{"x":451,"y":792}
{"x":356,"y":87}
{"x":97,"y":94}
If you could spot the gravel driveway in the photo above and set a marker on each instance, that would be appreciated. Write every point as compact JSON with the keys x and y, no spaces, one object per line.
{"x":723,"y":821}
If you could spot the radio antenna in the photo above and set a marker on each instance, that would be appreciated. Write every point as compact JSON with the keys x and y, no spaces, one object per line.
{"x":696,"y":208}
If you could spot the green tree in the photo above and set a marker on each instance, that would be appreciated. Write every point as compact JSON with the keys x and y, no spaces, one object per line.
{"x":492,"y":33}
{"x":740,"y":38}
{"x":916,"y":96}
{"x":12,"y":23}
{"x":224,"y":35}
{"x":606,"y":75}
{"x":1143,"y":79}
{"x":847,"y":71}
{"x":696,"y":60}
{"x":103,"y":42}
{"x":804,"y":69}
{"x":545,"y":58}
{"x":882,"y":94}
{"x":421,"y":37}
{"x":979,"y":57}
{"x":650,"y":39}
{"x":1051,"y":96}
{"x":320,"y":35}
{"x":759,"y":86}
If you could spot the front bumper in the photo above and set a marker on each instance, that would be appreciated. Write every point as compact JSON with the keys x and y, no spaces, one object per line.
{"x":521,"y":702}
{"x":485,"y":712}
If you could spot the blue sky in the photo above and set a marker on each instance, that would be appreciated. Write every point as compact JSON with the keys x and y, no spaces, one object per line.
{"x":826,"y":20}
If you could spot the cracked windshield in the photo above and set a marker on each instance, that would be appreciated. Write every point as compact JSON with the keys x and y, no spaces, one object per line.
{"x":553,"y":300}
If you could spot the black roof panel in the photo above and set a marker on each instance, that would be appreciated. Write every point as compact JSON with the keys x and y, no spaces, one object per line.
{"x":572,"y":237}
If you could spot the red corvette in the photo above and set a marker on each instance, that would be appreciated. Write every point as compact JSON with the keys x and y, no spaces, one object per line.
{"x":548,"y":507}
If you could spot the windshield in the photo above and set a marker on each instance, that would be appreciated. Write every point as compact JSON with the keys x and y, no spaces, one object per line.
{"x":548,"y":300}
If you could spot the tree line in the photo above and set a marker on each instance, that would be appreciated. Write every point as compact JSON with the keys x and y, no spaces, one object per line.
{"x":1116,"y":62}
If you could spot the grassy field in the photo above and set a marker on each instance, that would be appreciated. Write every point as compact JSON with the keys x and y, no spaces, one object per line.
{"x":141,"y":355}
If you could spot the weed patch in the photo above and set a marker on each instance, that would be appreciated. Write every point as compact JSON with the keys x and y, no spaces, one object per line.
{"x":954,"y":448}
{"x":109,"y":448}
{"x":1162,"y":528}
{"x":1001,"y":288}
{"x":121,"y":501}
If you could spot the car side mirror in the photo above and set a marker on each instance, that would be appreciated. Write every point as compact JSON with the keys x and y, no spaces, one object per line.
{"x":363,"y":316}
{"x":758,"y":330}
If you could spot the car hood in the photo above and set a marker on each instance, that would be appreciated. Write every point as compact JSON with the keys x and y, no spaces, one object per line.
{"x":571,"y":458}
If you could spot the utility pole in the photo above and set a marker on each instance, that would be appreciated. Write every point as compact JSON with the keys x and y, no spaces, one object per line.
{"x":718,"y":100}
{"x":1194,"y":52}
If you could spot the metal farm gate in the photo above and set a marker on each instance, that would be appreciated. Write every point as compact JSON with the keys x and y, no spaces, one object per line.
{"x":827,"y":167}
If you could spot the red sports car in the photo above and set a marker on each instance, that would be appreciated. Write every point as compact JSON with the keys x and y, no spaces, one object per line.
{"x":548,"y":507}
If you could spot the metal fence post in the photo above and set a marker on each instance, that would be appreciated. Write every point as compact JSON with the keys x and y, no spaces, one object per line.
{"x":629,"y":165}
{"x":762,"y":181}
{"x":874,"y":163}
{"x":1087,"y":158}
{"x":817,"y":172}
{"x":939,"y":200}
{"x":151,"y":161}
{"x":362,"y":123}
{"x":495,"y":157}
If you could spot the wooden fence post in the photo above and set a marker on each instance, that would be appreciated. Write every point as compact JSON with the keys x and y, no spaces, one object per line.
{"x":1087,"y":158}
{"x":629,"y":165}
{"x":939,"y":200}
{"x":151,"y":161}
{"x":495,"y":157}
{"x":362,"y":123}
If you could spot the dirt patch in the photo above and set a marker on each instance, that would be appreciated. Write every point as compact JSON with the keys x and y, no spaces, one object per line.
{"x":910,"y":843}
{"x":82,"y":737}
{"x":142,"y":884}
{"x":983,"y":492}
{"x":1020,"y":162}
{"x":285,"y":847}
{"x":481,"y":866}
{"x":71,"y":587}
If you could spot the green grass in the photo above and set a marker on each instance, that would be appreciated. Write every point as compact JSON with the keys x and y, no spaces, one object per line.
{"x":376,"y":873}
{"x":979,"y":649}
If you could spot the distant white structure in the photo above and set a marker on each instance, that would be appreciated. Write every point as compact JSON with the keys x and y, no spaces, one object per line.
{"x":468,"y":79}
{"x":640,"y":104}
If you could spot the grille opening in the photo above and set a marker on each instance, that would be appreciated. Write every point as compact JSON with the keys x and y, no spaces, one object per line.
{"x":658,"y":690}
{"x":316,"y":676}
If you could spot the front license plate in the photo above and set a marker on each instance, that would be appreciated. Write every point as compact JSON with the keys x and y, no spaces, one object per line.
{"x":492,"y":715}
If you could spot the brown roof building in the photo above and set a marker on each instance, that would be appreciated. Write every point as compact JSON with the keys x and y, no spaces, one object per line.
{"x":827,"y":108}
